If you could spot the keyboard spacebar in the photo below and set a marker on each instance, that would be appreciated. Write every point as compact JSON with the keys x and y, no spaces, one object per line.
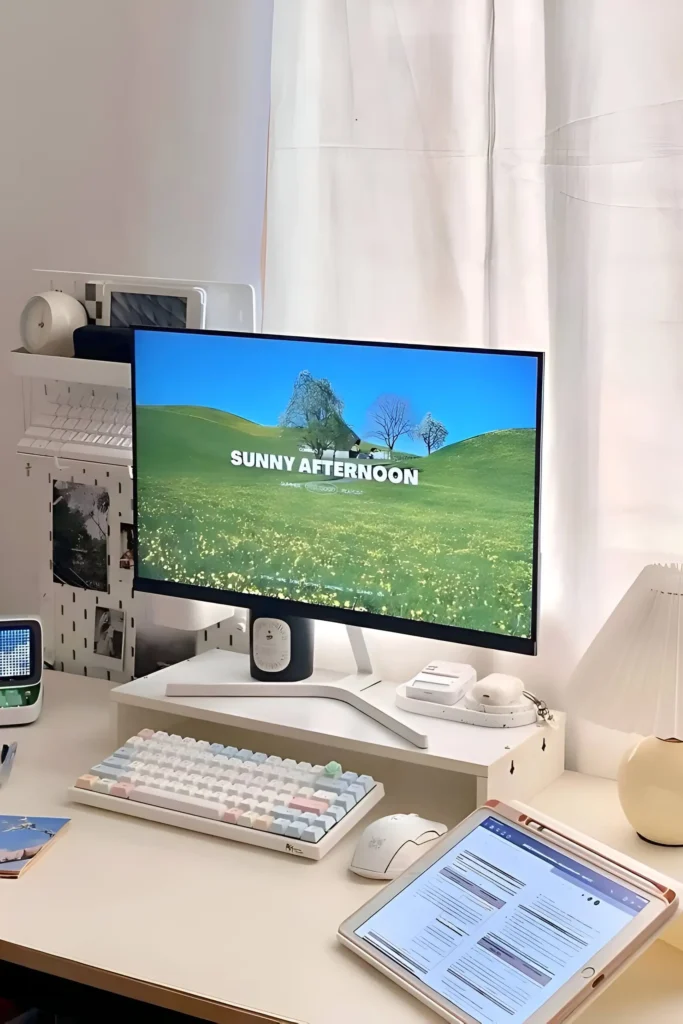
{"x":95,"y":453}
{"x":177,"y":802}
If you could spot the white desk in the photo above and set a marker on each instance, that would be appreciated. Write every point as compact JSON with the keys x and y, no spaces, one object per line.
{"x":178,"y":919}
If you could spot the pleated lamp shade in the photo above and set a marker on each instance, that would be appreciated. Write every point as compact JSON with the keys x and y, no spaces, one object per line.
{"x":631,"y":676}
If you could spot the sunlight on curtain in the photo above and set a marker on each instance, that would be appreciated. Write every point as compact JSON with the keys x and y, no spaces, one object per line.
{"x":474,"y":172}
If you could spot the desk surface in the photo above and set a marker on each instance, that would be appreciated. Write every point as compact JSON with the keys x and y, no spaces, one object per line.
{"x":206,"y":925}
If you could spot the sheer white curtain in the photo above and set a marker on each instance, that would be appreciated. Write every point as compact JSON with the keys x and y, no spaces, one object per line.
{"x":504,"y":173}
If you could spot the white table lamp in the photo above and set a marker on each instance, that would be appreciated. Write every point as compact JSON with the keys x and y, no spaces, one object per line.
{"x":631,"y":679}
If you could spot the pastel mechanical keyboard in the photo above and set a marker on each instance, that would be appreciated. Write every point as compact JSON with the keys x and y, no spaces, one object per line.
{"x":291,"y":806}
{"x":87,"y":427}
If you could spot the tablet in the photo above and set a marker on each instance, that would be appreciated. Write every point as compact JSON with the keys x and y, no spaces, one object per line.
{"x":507,"y":920}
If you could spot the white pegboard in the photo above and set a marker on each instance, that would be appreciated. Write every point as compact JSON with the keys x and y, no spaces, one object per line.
{"x":68,"y":612}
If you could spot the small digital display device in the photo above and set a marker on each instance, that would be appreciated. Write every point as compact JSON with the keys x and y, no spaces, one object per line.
{"x":499,"y":923}
{"x":21,"y":670}
{"x":15,"y":653}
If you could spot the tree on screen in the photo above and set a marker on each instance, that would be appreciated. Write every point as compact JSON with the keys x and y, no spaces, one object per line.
{"x":316,"y":411}
{"x":432,"y":432}
{"x":390,"y":418}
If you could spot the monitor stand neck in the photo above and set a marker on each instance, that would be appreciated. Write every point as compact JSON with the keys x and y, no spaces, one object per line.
{"x":361,"y":656}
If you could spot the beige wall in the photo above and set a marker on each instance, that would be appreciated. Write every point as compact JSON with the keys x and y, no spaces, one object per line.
{"x":133,"y":141}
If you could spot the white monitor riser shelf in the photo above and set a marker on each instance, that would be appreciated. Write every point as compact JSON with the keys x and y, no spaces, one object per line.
{"x":333,"y":686}
{"x":506,"y":763}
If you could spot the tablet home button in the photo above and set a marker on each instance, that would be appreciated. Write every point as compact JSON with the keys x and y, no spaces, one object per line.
{"x":588,"y":972}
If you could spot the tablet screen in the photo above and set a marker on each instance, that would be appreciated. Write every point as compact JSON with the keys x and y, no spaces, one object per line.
{"x":500,"y":922}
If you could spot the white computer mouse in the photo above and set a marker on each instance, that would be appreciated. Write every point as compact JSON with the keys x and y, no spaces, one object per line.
{"x":392,"y":844}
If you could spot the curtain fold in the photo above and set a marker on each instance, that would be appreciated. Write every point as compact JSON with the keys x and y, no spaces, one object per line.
{"x":504,"y":173}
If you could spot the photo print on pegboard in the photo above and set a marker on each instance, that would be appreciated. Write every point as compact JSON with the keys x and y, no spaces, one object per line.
{"x":79,"y":535}
{"x":127,"y":546}
{"x":109,"y":636}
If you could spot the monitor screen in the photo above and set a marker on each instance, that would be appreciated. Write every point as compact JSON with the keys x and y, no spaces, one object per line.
{"x":15,"y":653}
{"x":393,"y":486}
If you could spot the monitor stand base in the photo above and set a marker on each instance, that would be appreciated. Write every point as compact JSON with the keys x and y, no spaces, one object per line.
{"x":348,"y":689}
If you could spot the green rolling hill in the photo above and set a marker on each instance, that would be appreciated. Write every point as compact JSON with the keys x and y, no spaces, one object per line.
{"x":428,"y":551}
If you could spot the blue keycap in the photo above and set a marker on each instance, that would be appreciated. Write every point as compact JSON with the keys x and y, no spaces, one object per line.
{"x":295,"y":828}
{"x":324,"y":821}
{"x":312,"y":834}
{"x":345,"y":800}
{"x":285,"y":812}
{"x":105,"y":772}
{"x":332,"y":785}
{"x":336,"y":811}
{"x":351,"y":776}
{"x":279,"y":826}
{"x":357,"y":790}
{"x":216,"y":748}
{"x":244,"y":754}
{"x":128,"y":752}
{"x":230,"y":751}
{"x":116,"y":762}
{"x":259,"y":758}
{"x":366,"y":781}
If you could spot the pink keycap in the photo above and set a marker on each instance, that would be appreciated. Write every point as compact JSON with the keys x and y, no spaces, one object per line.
{"x":233,"y":814}
{"x":86,"y":781}
{"x":121,"y":789}
{"x":146,"y":733}
{"x":302,"y":803}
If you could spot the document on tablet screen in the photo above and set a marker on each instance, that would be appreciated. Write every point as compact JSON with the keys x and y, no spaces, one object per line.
{"x":500,"y":922}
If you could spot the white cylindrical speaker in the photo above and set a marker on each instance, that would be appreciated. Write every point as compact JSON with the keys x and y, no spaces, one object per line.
{"x":48,"y":323}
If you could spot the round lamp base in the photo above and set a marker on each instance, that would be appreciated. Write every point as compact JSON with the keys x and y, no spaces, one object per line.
{"x":650,"y":784}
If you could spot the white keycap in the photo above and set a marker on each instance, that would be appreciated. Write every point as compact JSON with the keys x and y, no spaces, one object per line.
{"x":44,"y":421}
{"x":54,"y":446}
{"x":83,"y":424}
{"x":177,"y":802}
{"x":63,"y":410}
{"x":50,"y":409}
{"x":26,"y":444}
{"x":128,"y":431}
{"x":93,"y":453}
{"x":39,"y":443}
{"x":38,"y":431}
{"x":92,"y":438}
{"x":102,"y":786}
{"x":57,"y":435}
{"x":59,"y":421}
{"x":97,"y":415}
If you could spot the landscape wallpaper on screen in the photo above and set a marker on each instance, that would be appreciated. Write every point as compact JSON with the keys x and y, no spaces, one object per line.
{"x":383,"y":479}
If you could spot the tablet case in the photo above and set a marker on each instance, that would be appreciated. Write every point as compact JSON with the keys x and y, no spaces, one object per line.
{"x":572,"y":1011}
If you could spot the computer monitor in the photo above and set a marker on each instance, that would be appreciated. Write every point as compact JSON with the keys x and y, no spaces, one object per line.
{"x":393,"y":486}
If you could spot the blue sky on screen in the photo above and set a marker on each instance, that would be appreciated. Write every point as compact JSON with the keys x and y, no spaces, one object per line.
{"x":470,"y":392}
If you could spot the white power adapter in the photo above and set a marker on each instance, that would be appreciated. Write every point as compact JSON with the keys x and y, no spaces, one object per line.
{"x":441,"y":682}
